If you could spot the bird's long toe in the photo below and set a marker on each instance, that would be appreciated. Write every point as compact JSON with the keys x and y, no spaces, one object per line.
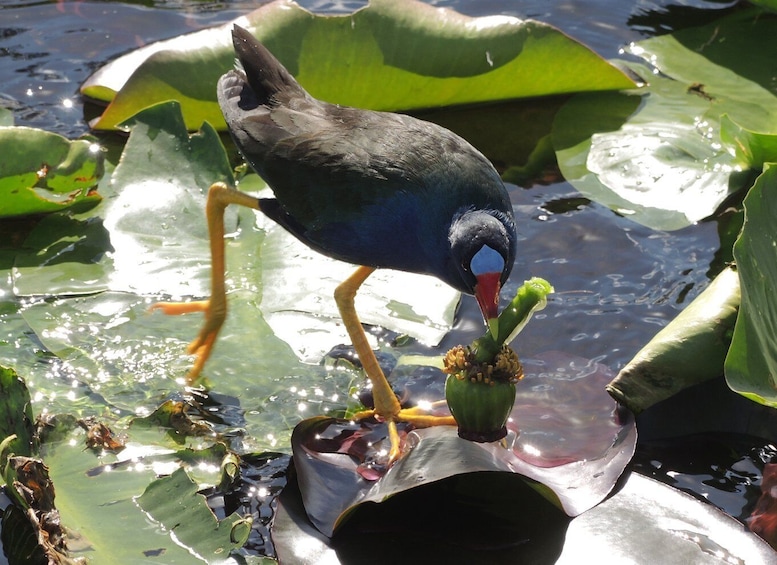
{"x":178,"y":308}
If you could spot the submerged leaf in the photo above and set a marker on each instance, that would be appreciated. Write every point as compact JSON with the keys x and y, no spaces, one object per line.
{"x":341,"y":58}
{"x":578,"y":464}
{"x":751,"y":364}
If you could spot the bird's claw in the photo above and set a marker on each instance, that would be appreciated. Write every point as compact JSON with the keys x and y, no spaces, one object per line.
{"x":202,"y":346}
{"x":413,"y":416}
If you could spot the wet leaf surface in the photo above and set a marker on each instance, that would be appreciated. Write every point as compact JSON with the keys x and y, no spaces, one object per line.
{"x":473,"y":519}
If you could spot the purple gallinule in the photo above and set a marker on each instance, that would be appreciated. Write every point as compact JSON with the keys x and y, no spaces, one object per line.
{"x":375,"y":189}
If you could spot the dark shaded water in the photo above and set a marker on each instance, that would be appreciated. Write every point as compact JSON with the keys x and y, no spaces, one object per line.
{"x":617,"y":282}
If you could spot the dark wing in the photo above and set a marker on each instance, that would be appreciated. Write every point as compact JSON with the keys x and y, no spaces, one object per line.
{"x":367,"y":187}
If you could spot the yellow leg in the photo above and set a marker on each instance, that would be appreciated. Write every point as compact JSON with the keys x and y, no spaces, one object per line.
{"x":387,"y":405}
{"x":219,"y":197}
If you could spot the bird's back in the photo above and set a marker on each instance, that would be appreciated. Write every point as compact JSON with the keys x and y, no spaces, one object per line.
{"x":348,"y":180}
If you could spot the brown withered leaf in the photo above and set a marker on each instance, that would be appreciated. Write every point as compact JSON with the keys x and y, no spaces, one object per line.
{"x":100,"y":437}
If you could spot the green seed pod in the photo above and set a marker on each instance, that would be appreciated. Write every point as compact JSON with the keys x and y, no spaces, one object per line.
{"x":480,"y":396}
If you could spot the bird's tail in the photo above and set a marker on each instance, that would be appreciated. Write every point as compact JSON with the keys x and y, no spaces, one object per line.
{"x":264,"y":73}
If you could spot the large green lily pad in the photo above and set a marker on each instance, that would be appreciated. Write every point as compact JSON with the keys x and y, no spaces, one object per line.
{"x":389,"y":55}
{"x":666,"y":164}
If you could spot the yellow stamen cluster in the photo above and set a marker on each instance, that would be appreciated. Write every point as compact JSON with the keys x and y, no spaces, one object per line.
{"x":506,"y":367}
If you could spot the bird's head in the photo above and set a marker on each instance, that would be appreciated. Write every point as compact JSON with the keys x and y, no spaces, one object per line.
{"x":483,"y":251}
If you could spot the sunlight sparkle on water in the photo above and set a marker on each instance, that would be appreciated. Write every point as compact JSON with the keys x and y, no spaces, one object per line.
{"x":207,"y":467}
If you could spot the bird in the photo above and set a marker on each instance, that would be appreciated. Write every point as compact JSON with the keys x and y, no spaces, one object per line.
{"x":379,"y":190}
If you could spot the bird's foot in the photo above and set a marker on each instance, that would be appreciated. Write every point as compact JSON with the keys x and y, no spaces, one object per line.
{"x":202,"y":346}
{"x":415,"y":416}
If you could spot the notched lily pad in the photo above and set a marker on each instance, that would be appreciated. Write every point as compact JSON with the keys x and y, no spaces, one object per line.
{"x":44,"y":172}
{"x":337,"y":462}
{"x":175,"y":503}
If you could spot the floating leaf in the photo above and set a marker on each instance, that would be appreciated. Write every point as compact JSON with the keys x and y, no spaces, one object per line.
{"x":473,"y":518}
{"x":175,"y":503}
{"x":95,"y":499}
{"x":647,"y":520}
{"x":668,"y":164}
{"x":44,"y":172}
{"x":577,"y":465}
{"x":341,"y":58}
{"x":488,"y":517}
{"x":751,"y":364}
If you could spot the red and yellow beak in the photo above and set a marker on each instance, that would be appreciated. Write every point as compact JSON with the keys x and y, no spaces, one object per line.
{"x":487,"y":294}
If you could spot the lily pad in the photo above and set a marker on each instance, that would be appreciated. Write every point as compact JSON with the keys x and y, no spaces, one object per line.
{"x":668,"y":165}
{"x":43,"y":172}
{"x":751,"y":364}
{"x":96,"y":497}
{"x":473,"y":519}
{"x":648,"y":521}
{"x":342,"y":58}
{"x":752,"y":148}
{"x":576,"y":466}
{"x":174,"y":503}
